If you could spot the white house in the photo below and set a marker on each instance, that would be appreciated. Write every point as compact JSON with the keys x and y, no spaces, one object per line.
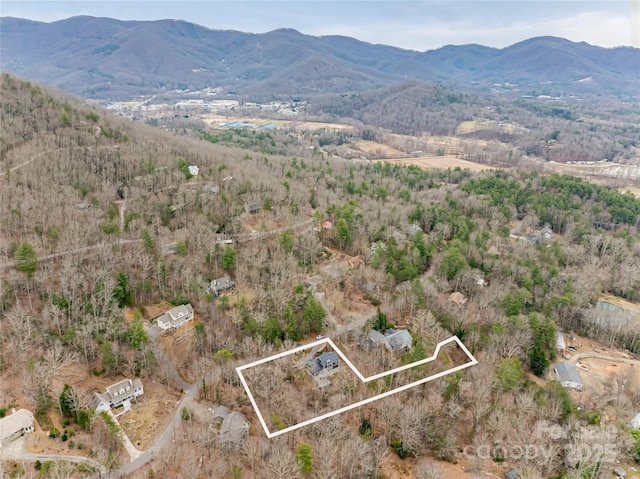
{"x":17,"y":423}
{"x":567,"y":375}
{"x":118,"y":394}
{"x":176,"y":317}
{"x":635,"y":422}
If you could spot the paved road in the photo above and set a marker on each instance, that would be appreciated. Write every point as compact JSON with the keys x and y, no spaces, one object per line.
{"x":49,"y":257}
{"x":164,"y":440}
{"x":240,"y":238}
{"x":17,"y":451}
{"x":42,"y":153}
{"x":579,"y":356}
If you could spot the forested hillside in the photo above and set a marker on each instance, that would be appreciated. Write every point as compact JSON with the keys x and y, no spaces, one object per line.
{"x":549,"y":129}
{"x":115,"y":59}
{"x":102,"y":221}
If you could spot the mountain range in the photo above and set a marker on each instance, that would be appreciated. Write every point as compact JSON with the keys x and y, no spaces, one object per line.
{"x":107,"y":58}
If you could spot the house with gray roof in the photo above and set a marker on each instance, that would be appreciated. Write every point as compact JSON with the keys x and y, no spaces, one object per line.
{"x":252,"y":208}
{"x":219,"y":414}
{"x":327,"y":362}
{"x":118,"y":394}
{"x":219,"y":285}
{"x":16,"y":424}
{"x":396,"y":340}
{"x":413,"y":229}
{"x":176,"y":317}
{"x":567,"y":375}
{"x":234,"y":429}
{"x":512,"y":474}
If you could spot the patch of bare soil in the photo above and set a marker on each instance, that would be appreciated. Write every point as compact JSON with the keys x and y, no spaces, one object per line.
{"x":317,"y":125}
{"x":154,"y":310}
{"x":177,"y":344}
{"x":447,"y":161}
{"x":263,"y":222}
{"x":634,"y":190}
{"x":379,"y":150}
{"x":396,"y":468}
{"x":150,"y":414}
{"x":622,"y":303}
{"x":78,"y":442}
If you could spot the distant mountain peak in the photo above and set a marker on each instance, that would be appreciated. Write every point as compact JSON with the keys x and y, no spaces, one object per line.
{"x":103,"y":57}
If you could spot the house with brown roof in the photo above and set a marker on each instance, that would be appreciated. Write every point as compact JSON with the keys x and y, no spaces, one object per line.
{"x":457,"y":298}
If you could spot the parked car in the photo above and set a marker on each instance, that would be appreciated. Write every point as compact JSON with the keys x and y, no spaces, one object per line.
{"x":573,"y":348}
{"x":319,"y":336}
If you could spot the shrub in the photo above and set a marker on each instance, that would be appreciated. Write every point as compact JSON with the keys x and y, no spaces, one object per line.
{"x":185,"y":414}
{"x":398,"y":446}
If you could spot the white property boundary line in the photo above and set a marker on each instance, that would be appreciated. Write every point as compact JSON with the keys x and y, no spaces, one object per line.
{"x":270,"y":434}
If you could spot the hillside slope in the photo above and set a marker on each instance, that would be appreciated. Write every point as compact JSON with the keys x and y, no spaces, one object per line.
{"x":103,"y":57}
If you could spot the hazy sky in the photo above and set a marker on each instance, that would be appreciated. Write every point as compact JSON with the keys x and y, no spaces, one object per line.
{"x":417,"y":25}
